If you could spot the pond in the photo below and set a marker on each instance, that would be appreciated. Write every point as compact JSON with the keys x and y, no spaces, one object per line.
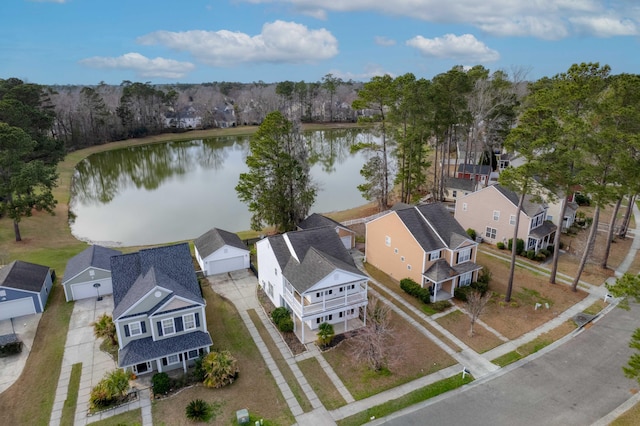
{"x":174,"y":191}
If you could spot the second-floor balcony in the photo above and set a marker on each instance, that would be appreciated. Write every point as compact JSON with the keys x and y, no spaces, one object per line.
{"x":309,"y":304}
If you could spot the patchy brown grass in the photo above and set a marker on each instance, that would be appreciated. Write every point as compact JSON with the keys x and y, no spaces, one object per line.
{"x":416,"y":356}
{"x":255,"y":388}
{"x":320,"y":383}
{"x":458,"y":324}
{"x":518,"y":317}
{"x":631,"y":417}
{"x":593,"y":273}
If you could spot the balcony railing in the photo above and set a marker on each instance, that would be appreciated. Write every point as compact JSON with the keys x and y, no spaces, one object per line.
{"x":326,"y":305}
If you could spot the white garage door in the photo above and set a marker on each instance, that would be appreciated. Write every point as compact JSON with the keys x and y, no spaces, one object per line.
{"x":87,"y":290}
{"x":226,"y":265}
{"x":17,"y":308}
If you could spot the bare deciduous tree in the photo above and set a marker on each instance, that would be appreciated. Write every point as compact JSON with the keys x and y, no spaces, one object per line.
{"x":375,"y":343}
{"x":476,"y":301}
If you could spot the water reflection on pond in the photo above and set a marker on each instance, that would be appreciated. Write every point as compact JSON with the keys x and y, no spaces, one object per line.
{"x":177,"y":190}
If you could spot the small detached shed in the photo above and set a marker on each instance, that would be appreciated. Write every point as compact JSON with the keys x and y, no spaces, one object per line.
{"x":24,"y":289}
{"x":219,"y":251}
{"x":88,"y":274}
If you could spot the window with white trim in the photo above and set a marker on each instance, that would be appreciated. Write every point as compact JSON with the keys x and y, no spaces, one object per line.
{"x":496,"y":215}
{"x":387,"y":241}
{"x":135,"y":329}
{"x":512,"y":219}
{"x":434,"y":255}
{"x":168,"y":327}
{"x":465,"y":279}
{"x":491,"y":233}
{"x":193,"y":354}
{"x":189,"y":321}
{"x":173,"y":359}
{"x":464,"y":255}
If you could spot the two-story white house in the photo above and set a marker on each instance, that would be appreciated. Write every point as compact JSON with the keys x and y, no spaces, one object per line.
{"x":491,"y":212}
{"x":311,"y":273}
{"x":159,"y":312}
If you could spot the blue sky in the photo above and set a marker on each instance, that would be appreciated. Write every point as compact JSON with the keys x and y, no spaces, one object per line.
{"x":194,"y":41}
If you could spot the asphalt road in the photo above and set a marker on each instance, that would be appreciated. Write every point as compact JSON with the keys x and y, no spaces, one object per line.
{"x":576,"y":383}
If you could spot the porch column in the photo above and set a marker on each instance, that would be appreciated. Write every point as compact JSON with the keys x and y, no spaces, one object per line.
{"x":302,"y":326}
{"x":184,"y":362}
{"x":159,"y":365}
{"x":345,"y":321}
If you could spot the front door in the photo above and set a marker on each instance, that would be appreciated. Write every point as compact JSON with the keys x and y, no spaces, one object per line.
{"x":142,"y":368}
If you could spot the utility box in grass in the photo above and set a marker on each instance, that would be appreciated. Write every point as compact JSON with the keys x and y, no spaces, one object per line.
{"x":242,"y":416}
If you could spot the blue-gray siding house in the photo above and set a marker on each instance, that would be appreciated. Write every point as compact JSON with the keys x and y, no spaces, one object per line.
{"x":24,"y":289}
{"x":159,"y":312}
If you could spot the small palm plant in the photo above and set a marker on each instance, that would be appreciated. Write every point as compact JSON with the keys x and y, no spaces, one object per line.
{"x":220,"y":369}
{"x":198,"y":411}
{"x":105,"y":328}
{"x":325,"y":334}
{"x":110,"y":389}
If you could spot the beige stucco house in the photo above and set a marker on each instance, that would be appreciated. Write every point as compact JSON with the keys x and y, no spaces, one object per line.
{"x":491,"y":212}
{"x":426,"y":244}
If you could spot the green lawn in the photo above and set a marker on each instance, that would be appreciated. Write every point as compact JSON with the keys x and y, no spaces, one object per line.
{"x":69,"y":408}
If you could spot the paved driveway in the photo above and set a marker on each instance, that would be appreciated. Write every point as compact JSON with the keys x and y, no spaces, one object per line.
{"x":11,"y":367}
{"x":577,"y":383}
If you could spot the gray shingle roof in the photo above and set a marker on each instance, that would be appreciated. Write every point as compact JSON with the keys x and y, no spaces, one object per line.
{"x":543,"y":230}
{"x":446,"y":226}
{"x":23,"y":276}
{"x":420,"y":230}
{"x":132,"y":276}
{"x":92,"y":256}
{"x":320,"y":252}
{"x":529,"y":207}
{"x":214,"y":239}
{"x":459,"y":183}
{"x":316,"y":220}
{"x":440,"y":271}
{"x":478,"y":169}
{"x":142,"y":350}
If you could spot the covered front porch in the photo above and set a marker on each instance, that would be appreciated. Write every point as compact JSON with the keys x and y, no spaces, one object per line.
{"x":541,"y":237}
{"x":442,"y":279}
{"x":306,"y":335}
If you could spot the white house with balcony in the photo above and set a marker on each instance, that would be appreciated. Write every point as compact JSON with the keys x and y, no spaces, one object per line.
{"x":312,"y":274}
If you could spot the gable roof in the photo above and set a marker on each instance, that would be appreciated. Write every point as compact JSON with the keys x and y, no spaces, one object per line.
{"x":478,"y":169}
{"x":23,"y":276}
{"x":214,"y":239}
{"x":459,"y":183}
{"x":134,"y":275}
{"x":529,"y":207}
{"x":316,"y":220}
{"x":93,"y":256}
{"x":433,"y":226}
{"x":316,"y":253}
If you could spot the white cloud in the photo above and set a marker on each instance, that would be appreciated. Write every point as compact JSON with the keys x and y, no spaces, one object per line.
{"x":450,"y":46}
{"x":279,"y":41}
{"x":546,"y":19}
{"x":143,"y":66}
{"x":384,"y":41}
{"x":604,"y":26}
{"x":370,"y":70}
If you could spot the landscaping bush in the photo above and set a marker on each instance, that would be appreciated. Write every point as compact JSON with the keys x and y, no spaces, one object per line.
{"x":500,"y":245}
{"x":286,"y":325}
{"x":582,"y":200}
{"x":519,"y":245}
{"x":198,"y":411}
{"x":545,"y":252}
{"x":198,"y":370}
{"x":472,"y":233}
{"x":161,"y":383}
{"x":325,"y":334}
{"x":220,"y":368}
{"x":461,"y":293}
{"x":550,"y":248}
{"x":541,"y":257}
{"x":278,"y":314}
{"x":531,"y":254}
{"x":441,"y":305}
{"x":10,"y":348}
{"x":110,"y":389}
{"x":414,"y":289}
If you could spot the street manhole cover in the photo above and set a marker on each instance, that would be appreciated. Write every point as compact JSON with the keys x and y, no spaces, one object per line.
{"x":581,"y":319}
